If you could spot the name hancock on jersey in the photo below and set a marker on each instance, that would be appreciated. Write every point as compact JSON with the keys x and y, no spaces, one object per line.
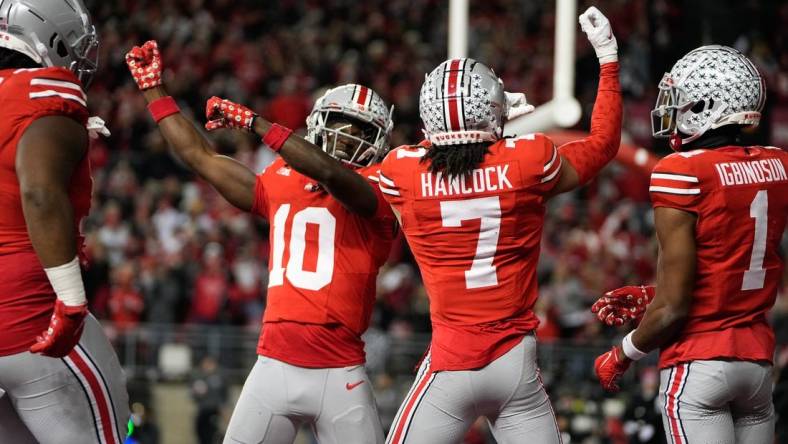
{"x":491,"y":178}
{"x":755,"y":171}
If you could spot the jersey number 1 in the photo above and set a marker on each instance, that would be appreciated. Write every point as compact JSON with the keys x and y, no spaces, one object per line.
{"x":755,"y":276}
{"x":300,"y":278}
{"x":482,"y":272}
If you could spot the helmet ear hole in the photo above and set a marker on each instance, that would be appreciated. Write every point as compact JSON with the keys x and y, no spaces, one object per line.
{"x":698,"y":107}
{"x":61,"y":49}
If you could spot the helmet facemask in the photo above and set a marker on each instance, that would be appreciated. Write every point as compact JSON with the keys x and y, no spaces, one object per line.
{"x":85,"y":53}
{"x":352,"y":124}
{"x":347,"y":139}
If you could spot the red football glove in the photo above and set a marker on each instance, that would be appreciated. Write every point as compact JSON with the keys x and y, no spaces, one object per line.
{"x":65,"y":329}
{"x":623,"y":304}
{"x":222,"y":113}
{"x":610,"y":367}
{"x":145,"y":65}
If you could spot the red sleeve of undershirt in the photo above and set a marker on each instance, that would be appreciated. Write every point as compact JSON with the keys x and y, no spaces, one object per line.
{"x":589,"y":155}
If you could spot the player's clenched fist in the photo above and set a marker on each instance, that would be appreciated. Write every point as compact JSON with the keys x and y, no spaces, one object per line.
{"x":597,"y":29}
{"x":145,"y":65}
{"x":222,"y":113}
{"x":65,"y":329}
{"x":610,"y":367}
{"x":623,"y":304}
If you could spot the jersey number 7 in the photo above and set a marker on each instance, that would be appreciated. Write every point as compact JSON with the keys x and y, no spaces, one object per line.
{"x":482,"y":272}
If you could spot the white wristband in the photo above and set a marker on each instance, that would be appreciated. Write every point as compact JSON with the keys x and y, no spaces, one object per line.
{"x":629,"y":348}
{"x":66,"y":280}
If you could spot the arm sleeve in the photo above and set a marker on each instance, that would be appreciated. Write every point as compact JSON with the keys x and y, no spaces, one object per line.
{"x":387,"y":177}
{"x":383,"y":212}
{"x":674,"y":184}
{"x":589,"y":155}
{"x":260,"y":202}
{"x":549,"y":164}
{"x":54,"y":92}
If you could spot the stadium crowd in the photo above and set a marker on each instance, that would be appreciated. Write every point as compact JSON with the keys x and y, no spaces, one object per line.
{"x":165,"y":248}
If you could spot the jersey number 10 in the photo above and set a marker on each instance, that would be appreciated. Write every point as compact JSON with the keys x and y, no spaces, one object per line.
{"x":300,"y":278}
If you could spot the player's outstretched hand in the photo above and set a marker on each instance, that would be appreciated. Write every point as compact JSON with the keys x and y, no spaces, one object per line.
{"x":597,"y":29}
{"x":609,"y":368}
{"x":65,"y":329}
{"x":145,"y":65}
{"x":623,"y":304}
{"x":222,"y":113}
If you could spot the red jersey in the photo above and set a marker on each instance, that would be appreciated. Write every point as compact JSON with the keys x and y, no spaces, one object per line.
{"x":740,"y":196}
{"x":26,"y":297}
{"x":476,"y":240}
{"x":323,"y":266}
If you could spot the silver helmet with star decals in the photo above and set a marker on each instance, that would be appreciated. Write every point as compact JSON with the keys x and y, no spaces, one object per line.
{"x":710,"y":87}
{"x":461,"y":102}
{"x":370,"y":118}
{"x":51,"y":33}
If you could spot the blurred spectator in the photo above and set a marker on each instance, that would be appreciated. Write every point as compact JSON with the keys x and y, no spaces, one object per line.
{"x":125,"y":301}
{"x":210,"y":287}
{"x":209,"y":392}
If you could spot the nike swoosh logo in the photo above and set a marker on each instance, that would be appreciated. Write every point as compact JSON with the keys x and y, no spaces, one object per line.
{"x":350,"y":386}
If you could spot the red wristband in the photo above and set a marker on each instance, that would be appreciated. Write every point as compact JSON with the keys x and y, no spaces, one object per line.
{"x":163,"y":107}
{"x":276,"y":136}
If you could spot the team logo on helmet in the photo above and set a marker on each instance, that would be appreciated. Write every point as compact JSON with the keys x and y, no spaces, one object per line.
{"x":462,"y":101}
{"x":710,"y":87}
{"x":361,"y":104}
{"x":52,"y":33}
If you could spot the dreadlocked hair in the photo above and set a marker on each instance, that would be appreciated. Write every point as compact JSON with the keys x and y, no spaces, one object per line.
{"x":14,"y":59}
{"x":456,"y":160}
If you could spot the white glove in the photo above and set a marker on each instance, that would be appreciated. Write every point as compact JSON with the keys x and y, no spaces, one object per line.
{"x":96,"y":127}
{"x":516,"y":105}
{"x":597,"y":29}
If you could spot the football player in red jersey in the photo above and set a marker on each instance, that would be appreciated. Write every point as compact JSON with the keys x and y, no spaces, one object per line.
{"x":719,"y":211}
{"x":60,"y":380}
{"x":330,"y":232}
{"x":471,"y":204}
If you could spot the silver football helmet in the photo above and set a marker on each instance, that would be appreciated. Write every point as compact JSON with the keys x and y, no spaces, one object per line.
{"x":710,"y":87}
{"x":357,"y":102}
{"x":52,"y":33}
{"x":462,"y":101}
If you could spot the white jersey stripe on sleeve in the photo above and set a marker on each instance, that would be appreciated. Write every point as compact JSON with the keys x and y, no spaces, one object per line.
{"x":386,"y":181}
{"x":373,"y":178}
{"x":58,"y":83}
{"x":389,"y":191}
{"x":52,"y":93}
{"x":555,"y":172}
{"x":549,"y":164}
{"x":676,"y":177}
{"x":671,"y":190}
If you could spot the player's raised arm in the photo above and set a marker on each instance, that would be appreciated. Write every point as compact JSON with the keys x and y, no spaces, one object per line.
{"x":348,"y":187}
{"x":46,"y":158}
{"x":586,"y":157}
{"x":232,"y":179}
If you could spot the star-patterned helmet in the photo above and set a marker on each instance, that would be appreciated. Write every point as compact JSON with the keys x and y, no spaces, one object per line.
{"x":710,"y":87}
{"x":361,"y":104}
{"x":461,"y":102}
